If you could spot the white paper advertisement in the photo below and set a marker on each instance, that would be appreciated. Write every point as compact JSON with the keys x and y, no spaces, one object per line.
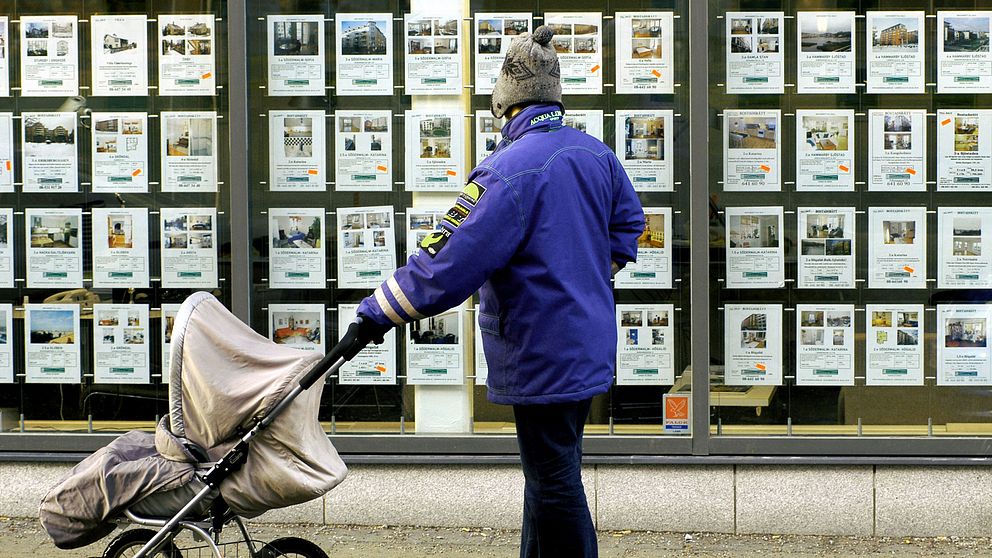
{"x":420,"y":223}
{"x":5,"y":43}
{"x":589,"y":121}
{"x":6,"y":250}
{"x":961,"y":233}
{"x":54,"y":247}
{"x":120,"y":344}
{"x":894,"y":345}
{"x":364,"y":54}
{"x":755,"y":53}
{"x":364,"y":151}
{"x":754,"y":248}
{"x":6,"y":343}
{"x":897,"y":251}
{"x":578,"y":40}
{"x":435,"y":350}
{"x":375,"y":364}
{"x":300,"y":326}
{"x":645,"y":344}
{"x":296,"y":55}
{"x":119,"y":145}
{"x":49,"y":56}
{"x":644,"y":53}
{"x":366,"y":246}
{"x":752,"y":344}
{"x":653,"y":268}
{"x":433,"y":58}
{"x":752,"y":150}
{"x":962,"y":344}
{"x":825,"y":344}
{"x":6,"y":152}
{"x":49,"y":158}
{"x":296,"y":253}
{"x":189,"y":157}
{"x":897,"y":150}
{"x":186,"y":54}
{"x":189,"y":250}
{"x":964,"y":64}
{"x":825,"y":150}
{"x":488,"y":134}
{"x":481,"y":365}
{"x":435,"y":154}
{"x":120,"y":247}
{"x":826,"y":51}
{"x":964,"y":150}
{"x":51,"y":344}
{"x":647,"y":137}
{"x":895,"y":52}
{"x":168,"y":320}
{"x":296,"y":151}
{"x":826,"y":255}
{"x":119,"y":51}
{"x":493,"y":33}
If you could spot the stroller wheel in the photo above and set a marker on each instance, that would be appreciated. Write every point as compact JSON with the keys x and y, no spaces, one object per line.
{"x":129,"y":542}
{"x":292,"y":546}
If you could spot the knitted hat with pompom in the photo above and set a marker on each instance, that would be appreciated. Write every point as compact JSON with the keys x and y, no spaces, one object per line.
{"x":530,"y":73}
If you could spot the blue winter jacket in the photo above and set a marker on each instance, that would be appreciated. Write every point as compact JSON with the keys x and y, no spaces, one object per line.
{"x":534,"y":232}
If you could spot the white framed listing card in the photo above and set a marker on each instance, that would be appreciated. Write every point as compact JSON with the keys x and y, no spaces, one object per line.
{"x":964,"y":149}
{"x":49,"y":56}
{"x":752,"y":344}
{"x":49,"y":159}
{"x":296,"y":250}
{"x":646,"y":137}
{"x":578,"y":41}
{"x":961,"y":234}
{"x":120,"y":344}
{"x":296,"y":55}
{"x":6,"y":152}
{"x":963,"y":345}
{"x":119,"y":147}
{"x":296,"y":151}
{"x":120,"y":247}
{"x":589,"y":121}
{"x":54,"y":247}
{"x":363,"y":150}
{"x":364,"y":54}
{"x":825,"y":344}
{"x":826,"y":51}
{"x":752,"y":150}
{"x":51,"y":344}
{"x":186,"y":54}
{"x":435,"y":351}
{"x":754,"y":248}
{"x":6,"y":343}
{"x":755,"y":53}
{"x":168,"y":320}
{"x":825,"y":150}
{"x":826,"y":251}
{"x":5,"y":56}
{"x":300,"y":326}
{"x":481,"y":364}
{"x":433,"y":56}
{"x":488,"y":134}
{"x":6,"y":248}
{"x":897,"y":150}
{"x":653,"y":268}
{"x":645,"y":344}
{"x":119,"y":55}
{"x":189,"y":155}
{"x":894,"y":345}
{"x":366,"y":246}
{"x":897,"y":248}
{"x":373,"y":365}
{"x":895,"y":51}
{"x":644,"y":52}
{"x":964,"y":64}
{"x":189,"y":249}
{"x":493,"y":33}
{"x":435,"y":157}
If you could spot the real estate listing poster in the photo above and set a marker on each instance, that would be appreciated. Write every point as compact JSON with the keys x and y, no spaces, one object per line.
{"x":752,"y":151}
{"x":825,"y":344}
{"x":6,"y":248}
{"x":49,"y":159}
{"x":375,"y":364}
{"x":49,"y":56}
{"x":895,"y":54}
{"x":589,"y":121}
{"x":825,"y":150}
{"x":826,"y":251}
{"x":7,"y":343}
{"x":119,"y":146}
{"x":120,"y":344}
{"x":481,"y":365}
{"x":964,"y":150}
{"x":578,"y":40}
{"x":366,"y":246}
{"x":964,"y":64}
{"x":296,"y":55}
{"x":364,"y":54}
{"x":300,"y":326}
{"x":897,"y":150}
{"x":962,"y":345}
{"x":435,"y":350}
{"x":645,"y":344}
{"x":754,"y":248}
{"x":755,"y":53}
{"x":189,"y":158}
{"x":6,"y":152}
{"x":421,"y":222}
{"x":433,"y":57}
{"x":51,"y":344}
{"x":647,"y":138}
{"x":296,"y":151}
{"x":186,"y":54}
{"x":168,"y":320}
{"x":826,"y":52}
{"x":894,"y":353}
{"x":645,"y":57}
{"x":653,"y":268}
{"x":493,"y":33}
{"x":364,"y":151}
{"x":119,"y":50}
{"x":897,"y":249}
{"x":752,"y":344}
{"x":189,"y":249}
{"x":296,"y":253}
{"x":961,"y":233}
{"x":54,"y":247}
{"x":120,"y":247}
{"x":435,"y":154}
{"x":5,"y":43}
{"x":488,"y":134}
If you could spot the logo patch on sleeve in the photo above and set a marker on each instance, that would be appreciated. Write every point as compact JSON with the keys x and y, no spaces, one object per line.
{"x":457,"y":214}
{"x":472,"y":192}
{"x":434,"y":242}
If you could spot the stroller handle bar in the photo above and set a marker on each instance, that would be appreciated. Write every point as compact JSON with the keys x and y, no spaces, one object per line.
{"x":350,"y":345}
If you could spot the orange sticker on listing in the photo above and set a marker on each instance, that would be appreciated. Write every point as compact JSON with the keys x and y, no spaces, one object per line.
{"x":656,"y":73}
{"x":761,"y":367}
{"x":206,"y":75}
{"x":765,"y":168}
{"x":312,"y":172}
{"x":908,"y":269}
{"x":844,"y":168}
{"x":381,"y":168}
{"x":595,"y":69}
{"x":945,"y":122}
{"x":136,"y":172}
{"x":10,"y":166}
{"x":380,"y":368}
{"x":452,"y":173}
{"x":911,"y":171}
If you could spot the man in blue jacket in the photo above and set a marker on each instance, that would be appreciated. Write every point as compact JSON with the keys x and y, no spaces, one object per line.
{"x":538,"y":231}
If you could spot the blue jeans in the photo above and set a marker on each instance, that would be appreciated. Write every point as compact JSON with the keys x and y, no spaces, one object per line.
{"x":556,"y":515}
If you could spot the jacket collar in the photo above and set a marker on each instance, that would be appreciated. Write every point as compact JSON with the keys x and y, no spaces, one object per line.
{"x":540,"y":117}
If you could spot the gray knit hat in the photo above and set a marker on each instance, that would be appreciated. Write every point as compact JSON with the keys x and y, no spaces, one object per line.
{"x":530,"y":73}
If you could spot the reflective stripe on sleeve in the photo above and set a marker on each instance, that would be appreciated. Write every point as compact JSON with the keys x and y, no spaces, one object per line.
{"x":387,"y":308}
{"x":400,"y":297}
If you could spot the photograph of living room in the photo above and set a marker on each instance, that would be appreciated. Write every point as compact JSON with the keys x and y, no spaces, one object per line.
{"x":438,"y":330}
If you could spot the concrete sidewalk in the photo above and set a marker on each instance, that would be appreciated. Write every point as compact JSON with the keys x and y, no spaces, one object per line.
{"x":24,"y":538}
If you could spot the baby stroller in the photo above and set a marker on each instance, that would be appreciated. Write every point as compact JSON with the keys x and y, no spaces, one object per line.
{"x":218,"y":457}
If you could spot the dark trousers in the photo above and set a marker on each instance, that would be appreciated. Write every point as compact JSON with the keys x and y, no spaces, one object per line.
{"x":556,"y":515}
